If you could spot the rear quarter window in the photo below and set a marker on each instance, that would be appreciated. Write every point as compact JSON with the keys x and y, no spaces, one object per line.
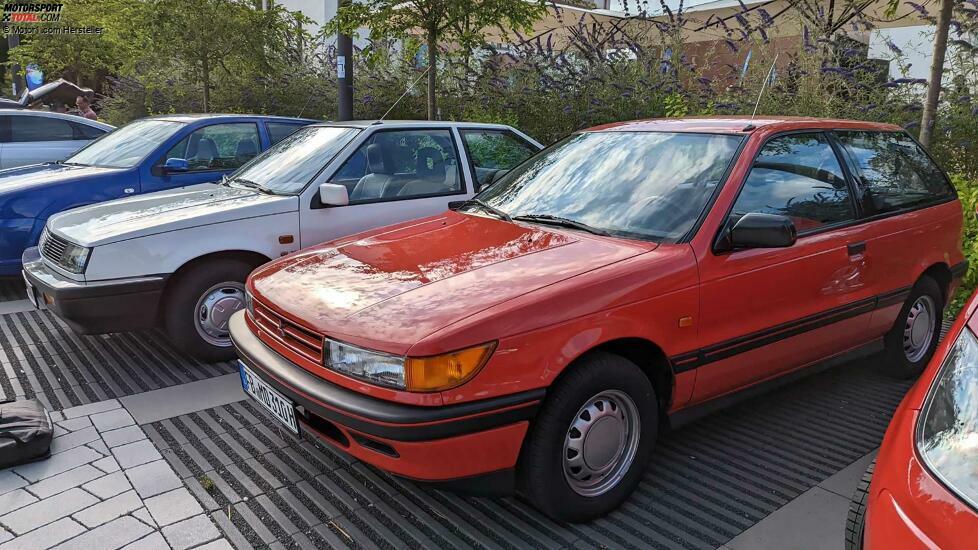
{"x":893,"y":171}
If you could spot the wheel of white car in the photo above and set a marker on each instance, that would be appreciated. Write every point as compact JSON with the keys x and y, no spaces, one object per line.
{"x":199,"y":304}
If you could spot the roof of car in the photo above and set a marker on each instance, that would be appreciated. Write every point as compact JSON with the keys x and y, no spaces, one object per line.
{"x":737,"y":124}
{"x":191,"y":117}
{"x":409,"y":123}
{"x":62,"y":116}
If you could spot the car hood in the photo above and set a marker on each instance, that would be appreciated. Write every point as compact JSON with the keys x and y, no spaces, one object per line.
{"x":39,"y":175}
{"x":396,"y":285}
{"x":172,"y":210}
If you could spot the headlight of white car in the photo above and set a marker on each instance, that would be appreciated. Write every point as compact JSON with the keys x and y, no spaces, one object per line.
{"x":63,"y":253}
{"x":377,"y":368}
{"x":75,"y":258}
{"x":947,"y":431}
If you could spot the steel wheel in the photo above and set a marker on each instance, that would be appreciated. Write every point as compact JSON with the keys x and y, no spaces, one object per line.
{"x":918,"y":333}
{"x":601,"y":443}
{"x":214,"y":310}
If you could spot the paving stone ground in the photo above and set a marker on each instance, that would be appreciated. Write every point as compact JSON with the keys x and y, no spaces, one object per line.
{"x":105,"y":486}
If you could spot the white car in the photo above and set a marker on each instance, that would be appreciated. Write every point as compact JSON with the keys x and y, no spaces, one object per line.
{"x":179,"y":258}
{"x":35,"y":137}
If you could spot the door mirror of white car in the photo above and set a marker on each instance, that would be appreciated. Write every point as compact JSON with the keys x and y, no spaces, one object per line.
{"x":331,"y":194}
{"x":176,"y":165}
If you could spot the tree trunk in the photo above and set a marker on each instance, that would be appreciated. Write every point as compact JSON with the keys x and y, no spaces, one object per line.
{"x":432,"y":71}
{"x":936,"y":72}
{"x":206,"y":81}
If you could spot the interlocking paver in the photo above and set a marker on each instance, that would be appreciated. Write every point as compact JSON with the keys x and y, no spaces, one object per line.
{"x":45,"y":511}
{"x":134,"y":454}
{"x":92,"y":408}
{"x":45,"y":537}
{"x":191,"y":532}
{"x":107,"y":465}
{"x":109,"y":536}
{"x":99,"y":446}
{"x":144,"y":516}
{"x":14,"y":500}
{"x":108,"y":486}
{"x":56,"y":416}
{"x":10,"y":481}
{"x":222,"y":544}
{"x":108,"y":510}
{"x":64,"y":481}
{"x":112,"y":420}
{"x":173,"y":506}
{"x":154,"y":541}
{"x":5,"y":535}
{"x":121,"y":436}
{"x":74,"y":439}
{"x":75,"y":424}
{"x":61,"y":462}
{"x":153,"y":478}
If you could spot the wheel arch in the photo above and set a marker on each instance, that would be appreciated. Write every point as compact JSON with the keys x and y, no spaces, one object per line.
{"x":941,"y":273}
{"x":648,"y":356}
{"x":248,"y":256}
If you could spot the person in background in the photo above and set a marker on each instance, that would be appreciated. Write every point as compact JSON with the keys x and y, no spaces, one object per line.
{"x":85,"y":108}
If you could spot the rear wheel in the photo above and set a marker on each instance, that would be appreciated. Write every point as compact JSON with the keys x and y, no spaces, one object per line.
{"x":911,"y":342}
{"x":199,"y":305}
{"x":856,"y":520}
{"x":589,"y":445}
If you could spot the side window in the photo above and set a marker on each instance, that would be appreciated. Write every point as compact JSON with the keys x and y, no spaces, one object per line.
{"x":39,"y":128}
{"x":797,"y":176}
{"x":492,"y":151}
{"x":277,"y":131}
{"x":85,"y":132}
{"x":402,"y":164}
{"x":218,"y":146}
{"x":894,"y":172}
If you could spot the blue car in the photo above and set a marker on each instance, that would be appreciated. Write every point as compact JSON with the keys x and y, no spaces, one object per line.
{"x":150,"y":154}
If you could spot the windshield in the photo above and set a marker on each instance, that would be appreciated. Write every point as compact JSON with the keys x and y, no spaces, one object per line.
{"x":127,"y":146}
{"x":288,"y":167}
{"x":649,"y":185}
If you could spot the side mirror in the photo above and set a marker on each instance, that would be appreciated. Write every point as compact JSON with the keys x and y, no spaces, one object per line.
{"x":757,"y":230}
{"x":331,"y":194}
{"x":176,"y":165}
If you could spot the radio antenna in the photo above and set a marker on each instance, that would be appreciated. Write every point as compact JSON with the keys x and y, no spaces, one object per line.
{"x":411,"y":87}
{"x":764,"y":85}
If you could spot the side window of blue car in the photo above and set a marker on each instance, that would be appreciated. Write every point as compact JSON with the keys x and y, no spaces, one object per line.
{"x":218,"y":147}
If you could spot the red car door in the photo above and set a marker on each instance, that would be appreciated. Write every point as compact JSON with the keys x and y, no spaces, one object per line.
{"x":764,"y":311}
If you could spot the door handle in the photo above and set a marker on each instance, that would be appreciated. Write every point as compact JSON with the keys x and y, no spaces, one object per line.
{"x":856,"y":249}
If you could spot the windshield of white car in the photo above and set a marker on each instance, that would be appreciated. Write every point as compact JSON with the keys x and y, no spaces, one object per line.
{"x":289,"y":166}
{"x":127,"y":146}
{"x":645,"y":185}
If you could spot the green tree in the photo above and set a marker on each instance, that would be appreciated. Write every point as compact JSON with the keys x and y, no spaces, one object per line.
{"x":459,"y":23}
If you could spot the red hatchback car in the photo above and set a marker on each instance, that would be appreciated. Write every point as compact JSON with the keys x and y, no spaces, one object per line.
{"x":924,"y":490}
{"x":629,"y":278}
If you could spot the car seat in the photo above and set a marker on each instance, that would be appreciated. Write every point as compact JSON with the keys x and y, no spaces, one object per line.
{"x":373,"y":184}
{"x":245,"y":151}
{"x":429,"y":174}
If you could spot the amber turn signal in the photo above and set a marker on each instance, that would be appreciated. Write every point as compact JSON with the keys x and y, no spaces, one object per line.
{"x":441,"y":372}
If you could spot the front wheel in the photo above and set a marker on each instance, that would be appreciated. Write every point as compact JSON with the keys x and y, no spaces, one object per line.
{"x":199,"y":305}
{"x":588,"y":447}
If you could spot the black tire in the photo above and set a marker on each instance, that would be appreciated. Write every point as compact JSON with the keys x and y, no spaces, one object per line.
{"x":856,"y":519}
{"x":181,"y":300}
{"x":896,"y":363}
{"x":541,"y":477}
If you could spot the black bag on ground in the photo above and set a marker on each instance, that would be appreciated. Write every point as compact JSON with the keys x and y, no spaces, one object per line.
{"x":25,"y":432}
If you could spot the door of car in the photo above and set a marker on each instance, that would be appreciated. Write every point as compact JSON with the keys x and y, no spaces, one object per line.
{"x":210,"y":152}
{"x":765,"y":311}
{"x":392,"y":176}
{"x":34,"y":139}
{"x":895,"y":180}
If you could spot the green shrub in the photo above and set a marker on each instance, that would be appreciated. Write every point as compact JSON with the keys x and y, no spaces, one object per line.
{"x":968,"y":193}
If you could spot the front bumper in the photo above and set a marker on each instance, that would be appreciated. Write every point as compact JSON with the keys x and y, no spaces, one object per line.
{"x":95,"y":307}
{"x":458,"y":446}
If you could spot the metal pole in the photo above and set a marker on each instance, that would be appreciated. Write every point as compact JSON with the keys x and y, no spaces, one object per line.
{"x":13,"y":41}
{"x":344,"y":73}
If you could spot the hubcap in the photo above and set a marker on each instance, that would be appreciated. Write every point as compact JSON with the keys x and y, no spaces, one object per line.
{"x":214,"y":310}
{"x":919,"y":330}
{"x":601,"y":443}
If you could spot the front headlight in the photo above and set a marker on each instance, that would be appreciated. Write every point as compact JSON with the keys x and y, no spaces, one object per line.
{"x":249,"y":304}
{"x":75,"y":258}
{"x":419,"y":374}
{"x":947,"y":432}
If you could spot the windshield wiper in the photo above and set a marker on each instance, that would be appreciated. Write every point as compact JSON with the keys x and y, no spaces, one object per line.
{"x":491,"y":209}
{"x":561,"y":222}
{"x":252,"y":185}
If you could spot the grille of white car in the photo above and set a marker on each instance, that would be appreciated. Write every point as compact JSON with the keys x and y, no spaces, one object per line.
{"x":52,"y":247}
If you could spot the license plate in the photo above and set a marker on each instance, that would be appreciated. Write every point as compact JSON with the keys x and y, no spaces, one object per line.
{"x":31,"y":292}
{"x":277,"y":404}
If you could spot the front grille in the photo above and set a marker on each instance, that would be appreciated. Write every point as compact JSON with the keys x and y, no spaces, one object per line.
{"x":299,"y":339}
{"x":52,"y":247}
